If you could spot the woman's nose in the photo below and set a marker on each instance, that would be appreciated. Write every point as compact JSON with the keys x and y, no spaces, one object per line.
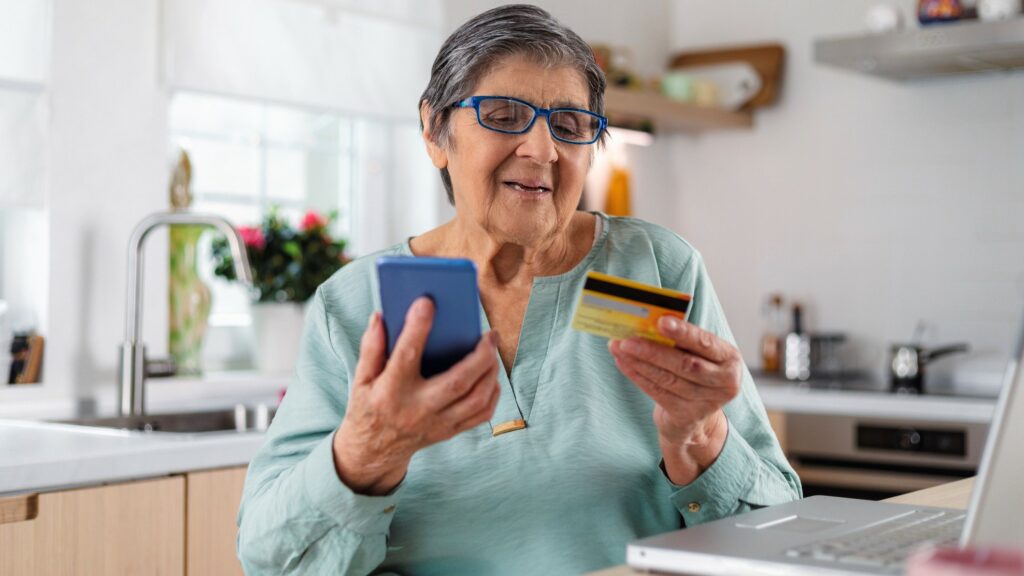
{"x":538,"y":144}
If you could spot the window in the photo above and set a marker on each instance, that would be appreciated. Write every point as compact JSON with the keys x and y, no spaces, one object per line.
{"x":249,"y":157}
{"x":302,"y":104}
{"x":24,"y":273}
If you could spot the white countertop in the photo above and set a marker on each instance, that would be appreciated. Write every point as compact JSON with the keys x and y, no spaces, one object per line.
{"x":42,"y":456}
{"x":792,"y":398}
{"x":38,"y":456}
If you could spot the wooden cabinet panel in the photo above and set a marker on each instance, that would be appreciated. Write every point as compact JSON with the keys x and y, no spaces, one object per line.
{"x":122,"y":529}
{"x":778,"y":423}
{"x":213,"y":500}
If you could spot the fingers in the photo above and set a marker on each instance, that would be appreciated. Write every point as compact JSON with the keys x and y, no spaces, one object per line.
{"x":693,"y":339}
{"x":658,"y":392}
{"x":450,"y":386}
{"x":685,"y":365}
{"x":477,"y":406}
{"x":487,"y":413}
{"x":372,"y":352}
{"x":408,"y":353}
{"x":669,"y":385}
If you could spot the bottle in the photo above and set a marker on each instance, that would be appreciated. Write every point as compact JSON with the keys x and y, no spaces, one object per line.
{"x":617,"y":201}
{"x":771,"y":341}
{"x":797,"y":357}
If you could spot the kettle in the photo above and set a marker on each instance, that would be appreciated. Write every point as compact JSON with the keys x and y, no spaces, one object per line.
{"x":907,"y":362}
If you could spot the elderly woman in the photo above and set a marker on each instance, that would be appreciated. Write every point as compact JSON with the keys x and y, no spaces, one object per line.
{"x":545,"y":450}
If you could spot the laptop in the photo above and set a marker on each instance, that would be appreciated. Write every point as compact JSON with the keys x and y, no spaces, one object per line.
{"x":824,"y":535}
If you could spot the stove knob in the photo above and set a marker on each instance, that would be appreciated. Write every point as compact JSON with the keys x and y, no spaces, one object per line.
{"x":910,"y":440}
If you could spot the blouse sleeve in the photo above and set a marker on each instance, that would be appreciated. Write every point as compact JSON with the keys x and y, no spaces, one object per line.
{"x":751,"y":471}
{"x":297,"y":517}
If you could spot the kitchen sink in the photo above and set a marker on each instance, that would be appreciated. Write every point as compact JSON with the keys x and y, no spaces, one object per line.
{"x":238,"y":419}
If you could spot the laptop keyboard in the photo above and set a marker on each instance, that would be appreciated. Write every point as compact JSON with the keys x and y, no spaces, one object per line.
{"x":886,"y":545}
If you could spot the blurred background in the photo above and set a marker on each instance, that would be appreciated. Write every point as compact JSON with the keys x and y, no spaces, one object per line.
{"x":850,"y":170}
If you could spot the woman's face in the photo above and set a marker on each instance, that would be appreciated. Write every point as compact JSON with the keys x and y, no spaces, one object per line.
{"x":520,"y":188}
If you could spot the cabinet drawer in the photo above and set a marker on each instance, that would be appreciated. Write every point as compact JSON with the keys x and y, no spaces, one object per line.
{"x":130,"y":528}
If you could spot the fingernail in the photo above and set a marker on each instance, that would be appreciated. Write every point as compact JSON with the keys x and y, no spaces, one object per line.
{"x":420,"y":306}
{"x":629,"y":346}
{"x":670,"y":322}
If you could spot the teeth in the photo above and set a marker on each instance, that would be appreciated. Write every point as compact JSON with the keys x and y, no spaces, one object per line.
{"x":522,"y":188}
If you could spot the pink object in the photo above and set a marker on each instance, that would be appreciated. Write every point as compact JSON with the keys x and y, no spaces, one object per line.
{"x":280,"y":395}
{"x":313,"y":220}
{"x":966,"y":562}
{"x":253,"y":237}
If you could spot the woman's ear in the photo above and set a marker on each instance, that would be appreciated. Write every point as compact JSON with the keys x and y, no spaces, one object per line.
{"x":437,"y":154}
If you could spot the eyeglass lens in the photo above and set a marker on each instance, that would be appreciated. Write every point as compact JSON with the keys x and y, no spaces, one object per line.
{"x":512,"y":116}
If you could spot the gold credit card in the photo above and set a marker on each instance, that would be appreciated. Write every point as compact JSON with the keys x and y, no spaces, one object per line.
{"x":618,"y":308}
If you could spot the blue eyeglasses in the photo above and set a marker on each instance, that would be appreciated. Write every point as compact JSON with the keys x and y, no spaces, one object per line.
{"x":514,"y":116}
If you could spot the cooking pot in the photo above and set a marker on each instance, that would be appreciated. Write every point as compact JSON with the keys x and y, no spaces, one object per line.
{"x":907,"y":362}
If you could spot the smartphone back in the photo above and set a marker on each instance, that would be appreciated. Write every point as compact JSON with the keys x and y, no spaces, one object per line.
{"x":451,"y":284}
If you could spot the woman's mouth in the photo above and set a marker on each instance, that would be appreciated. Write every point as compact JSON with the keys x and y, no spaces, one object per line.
{"x":527,"y":186}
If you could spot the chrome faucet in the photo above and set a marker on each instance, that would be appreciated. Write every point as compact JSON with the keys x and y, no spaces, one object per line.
{"x":131,"y":383}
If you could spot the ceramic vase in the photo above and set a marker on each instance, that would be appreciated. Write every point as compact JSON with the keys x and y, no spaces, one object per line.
{"x":277,"y":327}
{"x":189,"y":300}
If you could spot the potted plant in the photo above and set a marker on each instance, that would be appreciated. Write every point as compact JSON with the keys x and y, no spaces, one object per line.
{"x":288,"y":264}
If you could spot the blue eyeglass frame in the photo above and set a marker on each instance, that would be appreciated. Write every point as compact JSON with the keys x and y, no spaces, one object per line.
{"x":474,"y":102}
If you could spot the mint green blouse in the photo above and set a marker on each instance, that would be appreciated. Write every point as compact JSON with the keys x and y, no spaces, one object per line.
{"x":562,"y":496}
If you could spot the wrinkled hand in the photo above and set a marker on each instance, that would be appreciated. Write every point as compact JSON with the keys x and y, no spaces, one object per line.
{"x":393,"y":411}
{"x":689,"y":383}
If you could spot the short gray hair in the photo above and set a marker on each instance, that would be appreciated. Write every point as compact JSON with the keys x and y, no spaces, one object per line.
{"x":483,"y":41}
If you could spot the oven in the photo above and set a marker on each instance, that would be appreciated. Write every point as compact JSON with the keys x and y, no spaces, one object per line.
{"x":878,"y":457}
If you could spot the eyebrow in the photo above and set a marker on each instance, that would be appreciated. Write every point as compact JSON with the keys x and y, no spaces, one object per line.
{"x":559,"y":104}
{"x":569,"y":104}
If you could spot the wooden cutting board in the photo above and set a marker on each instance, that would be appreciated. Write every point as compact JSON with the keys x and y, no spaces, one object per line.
{"x":767,"y":59}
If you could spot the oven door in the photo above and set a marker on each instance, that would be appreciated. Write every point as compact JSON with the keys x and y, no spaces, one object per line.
{"x":862,"y":457}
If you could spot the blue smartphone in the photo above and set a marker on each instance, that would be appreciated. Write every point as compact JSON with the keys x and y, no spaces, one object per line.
{"x":451,"y":284}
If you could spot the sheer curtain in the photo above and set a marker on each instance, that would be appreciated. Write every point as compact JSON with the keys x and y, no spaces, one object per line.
{"x":368,"y":61}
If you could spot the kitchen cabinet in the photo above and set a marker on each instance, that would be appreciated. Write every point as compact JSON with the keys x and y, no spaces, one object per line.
{"x":213,"y":500}
{"x":777,"y":420}
{"x":129,"y":528}
{"x":179,"y":525}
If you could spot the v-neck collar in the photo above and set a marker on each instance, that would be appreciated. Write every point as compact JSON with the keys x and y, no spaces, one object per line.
{"x":519,"y":385}
{"x":581,"y":267}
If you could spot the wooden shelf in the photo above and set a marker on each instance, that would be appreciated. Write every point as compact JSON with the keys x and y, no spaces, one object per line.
{"x":669,"y":115}
{"x":930,"y":51}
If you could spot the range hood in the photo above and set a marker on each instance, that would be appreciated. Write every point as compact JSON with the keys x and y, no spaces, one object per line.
{"x":934,"y":50}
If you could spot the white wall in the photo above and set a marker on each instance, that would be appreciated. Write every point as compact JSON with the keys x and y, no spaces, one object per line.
{"x":108,"y":169}
{"x":879,"y":204}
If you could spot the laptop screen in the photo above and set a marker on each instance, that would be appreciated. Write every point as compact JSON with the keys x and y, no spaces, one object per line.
{"x":996,"y":516}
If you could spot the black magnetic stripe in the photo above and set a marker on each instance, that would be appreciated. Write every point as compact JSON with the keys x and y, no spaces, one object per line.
{"x":637,"y":295}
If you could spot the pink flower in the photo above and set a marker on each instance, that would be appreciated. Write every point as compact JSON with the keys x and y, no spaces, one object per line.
{"x":252,"y":236}
{"x":313,"y":220}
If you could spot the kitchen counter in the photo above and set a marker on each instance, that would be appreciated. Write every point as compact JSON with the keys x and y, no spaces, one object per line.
{"x":862,"y":401}
{"x":42,"y":456}
{"x":37,"y":456}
